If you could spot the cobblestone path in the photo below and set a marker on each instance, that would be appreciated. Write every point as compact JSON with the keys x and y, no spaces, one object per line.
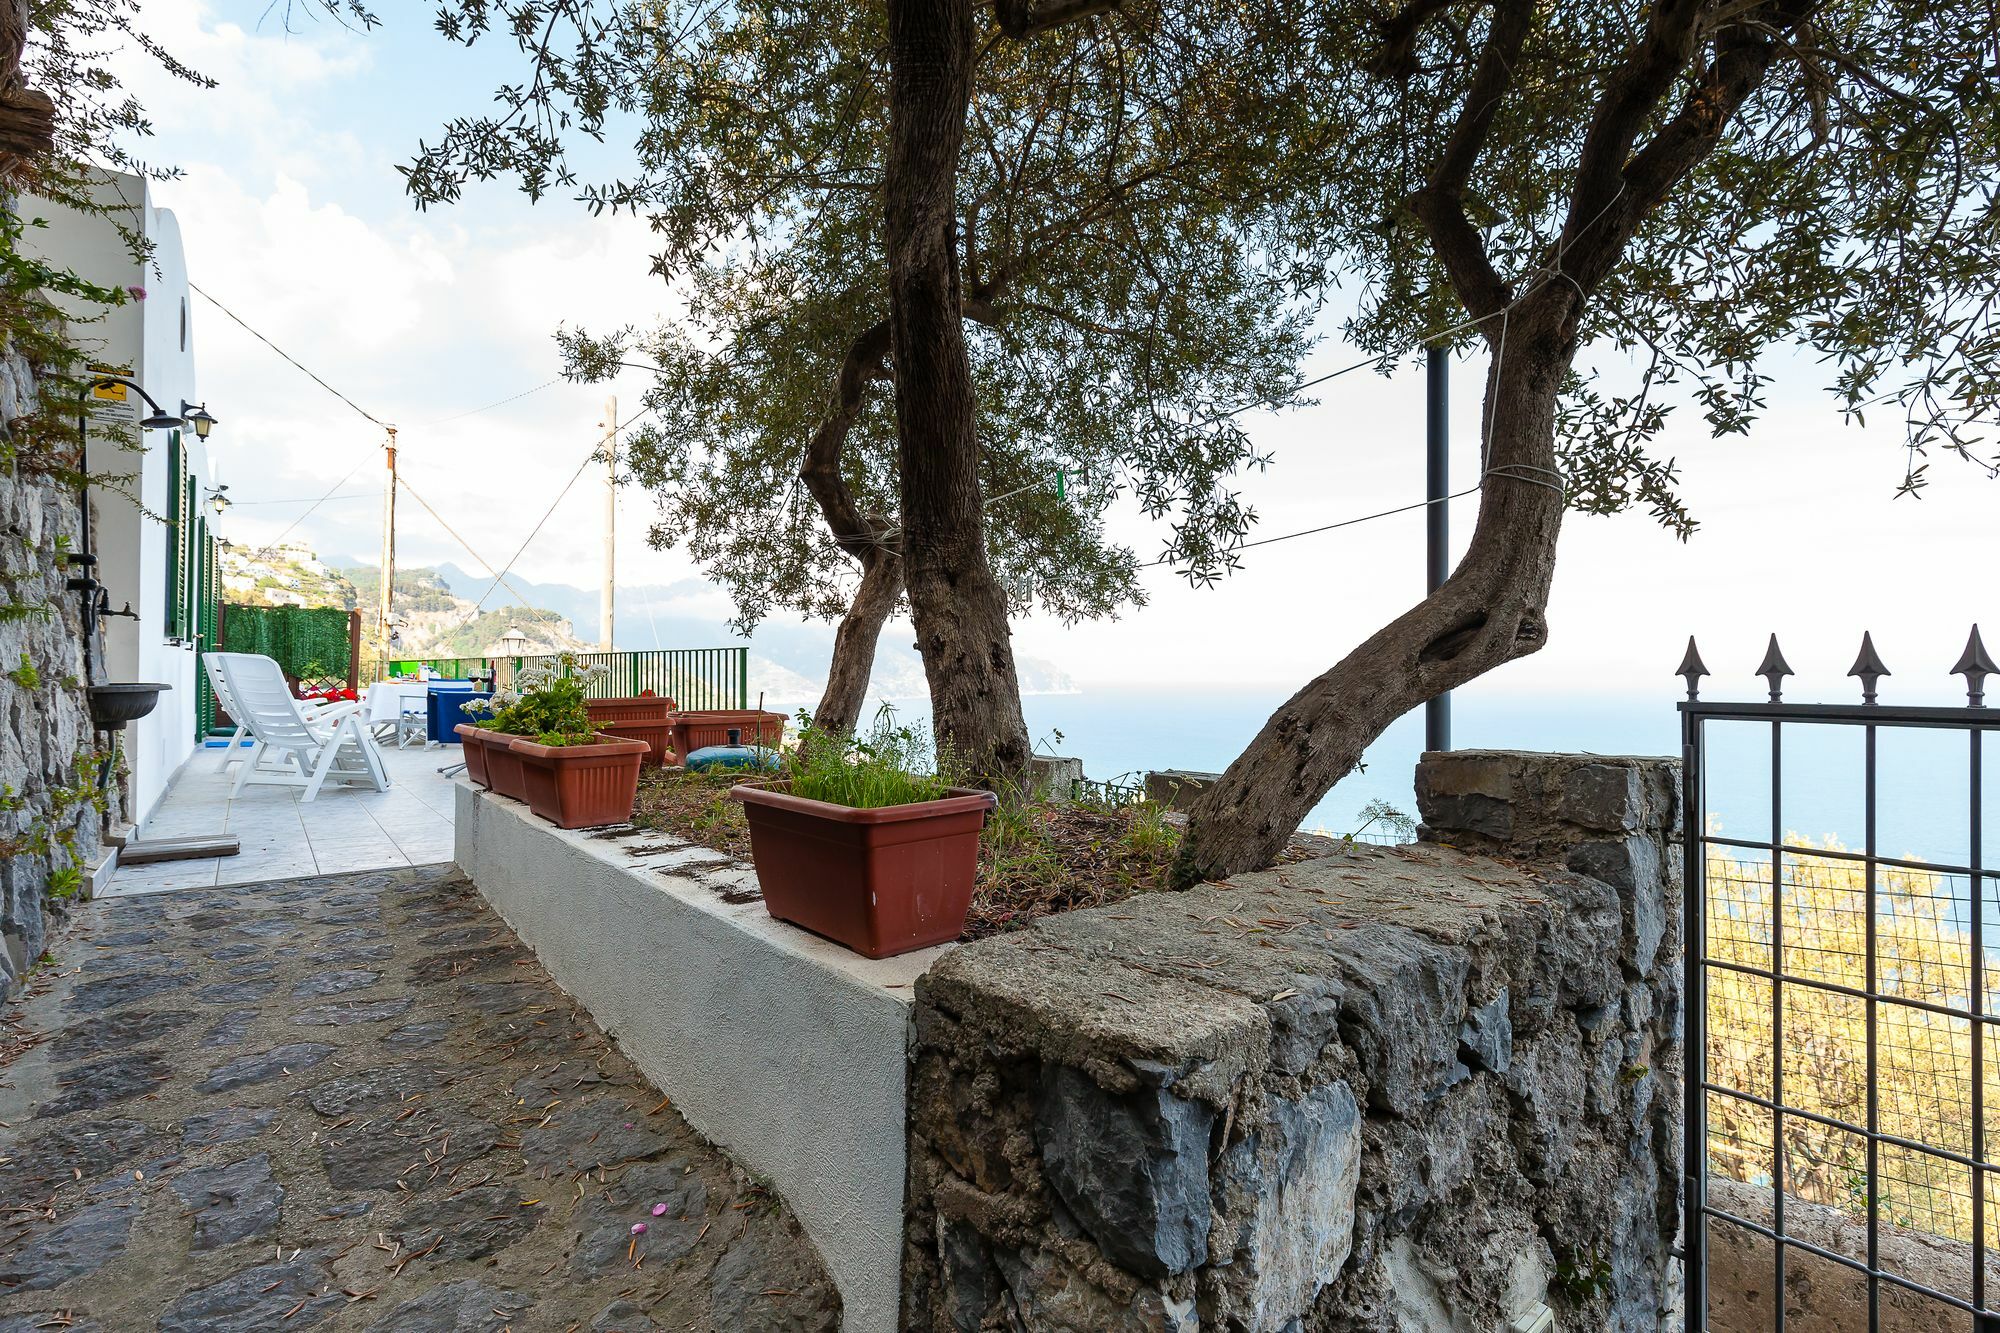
{"x":356,"y":1103}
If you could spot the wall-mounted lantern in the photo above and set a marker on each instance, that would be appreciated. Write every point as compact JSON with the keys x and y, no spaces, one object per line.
{"x":196,"y":415}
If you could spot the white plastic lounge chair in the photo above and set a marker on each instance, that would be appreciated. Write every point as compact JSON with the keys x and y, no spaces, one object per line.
{"x":232,"y":753}
{"x":314,"y":748}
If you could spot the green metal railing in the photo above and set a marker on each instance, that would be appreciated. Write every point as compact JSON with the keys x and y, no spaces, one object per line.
{"x":691,"y":677}
{"x":448,"y":668}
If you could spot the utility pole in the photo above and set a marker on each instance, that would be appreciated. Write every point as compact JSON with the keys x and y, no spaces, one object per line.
{"x":385,"y":600}
{"x":607,"y":603}
{"x":1437,"y":519}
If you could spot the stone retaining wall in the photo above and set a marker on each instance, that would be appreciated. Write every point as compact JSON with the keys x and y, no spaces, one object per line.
{"x":47,"y":821}
{"x":1423,"y":1088}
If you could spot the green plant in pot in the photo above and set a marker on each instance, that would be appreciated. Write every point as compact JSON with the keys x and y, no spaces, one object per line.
{"x":866,"y":840}
{"x":539,"y":747}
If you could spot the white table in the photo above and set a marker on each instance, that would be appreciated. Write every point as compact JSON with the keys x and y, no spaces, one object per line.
{"x":387,"y":699}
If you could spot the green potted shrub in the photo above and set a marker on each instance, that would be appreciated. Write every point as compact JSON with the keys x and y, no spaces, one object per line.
{"x":541,"y":748}
{"x":866,"y":841}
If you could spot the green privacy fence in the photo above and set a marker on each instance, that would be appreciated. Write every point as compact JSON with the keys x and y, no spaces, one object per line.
{"x":691,"y":677}
{"x":314,"y":645}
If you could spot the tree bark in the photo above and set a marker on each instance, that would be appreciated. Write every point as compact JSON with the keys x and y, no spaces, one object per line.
{"x":854,"y":645}
{"x":958,"y":605}
{"x":27,"y":116}
{"x":1490,"y":611}
{"x":868,"y":538}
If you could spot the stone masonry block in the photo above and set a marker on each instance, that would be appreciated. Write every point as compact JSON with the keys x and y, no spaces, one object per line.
{"x":1299,"y":1176}
{"x":1133,"y":1170}
{"x":1631,"y":866}
{"x":1610,"y":797}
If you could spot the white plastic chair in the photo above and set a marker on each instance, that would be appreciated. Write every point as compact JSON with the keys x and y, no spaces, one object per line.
{"x":412,"y":722}
{"x":232,"y":753}
{"x":314,"y":748}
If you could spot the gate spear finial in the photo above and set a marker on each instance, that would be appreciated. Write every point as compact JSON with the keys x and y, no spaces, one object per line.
{"x":1868,"y":665}
{"x":1975,"y":664}
{"x":1774,"y":669}
{"x":1691,"y":670}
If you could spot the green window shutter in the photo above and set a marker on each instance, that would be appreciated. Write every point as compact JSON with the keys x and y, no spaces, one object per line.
{"x":191,"y":552}
{"x":176,"y":468}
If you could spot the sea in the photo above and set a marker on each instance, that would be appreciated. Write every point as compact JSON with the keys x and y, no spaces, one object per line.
{"x":1923,"y":777}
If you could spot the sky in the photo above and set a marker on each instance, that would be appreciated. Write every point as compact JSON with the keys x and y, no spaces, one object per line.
{"x":294,"y":216}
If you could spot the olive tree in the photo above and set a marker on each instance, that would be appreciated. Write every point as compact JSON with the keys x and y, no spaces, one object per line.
{"x":1681,"y":186}
{"x":1126,"y":279}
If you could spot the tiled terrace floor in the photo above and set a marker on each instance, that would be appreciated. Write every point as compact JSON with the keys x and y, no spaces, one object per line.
{"x":345,"y":829}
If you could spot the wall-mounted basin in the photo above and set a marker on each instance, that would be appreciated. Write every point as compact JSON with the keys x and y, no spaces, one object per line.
{"x":112,"y":706}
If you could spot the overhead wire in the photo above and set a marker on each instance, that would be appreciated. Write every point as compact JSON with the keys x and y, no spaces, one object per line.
{"x":589,"y":458}
{"x":401,"y":480}
{"x":306,"y":499}
{"x":279,"y":540}
{"x":299,"y":365}
{"x":526,"y":605}
{"x":501,"y":402}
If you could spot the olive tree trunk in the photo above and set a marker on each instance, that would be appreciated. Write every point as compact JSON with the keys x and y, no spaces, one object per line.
{"x":869,"y":538}
{"x":959,"y":607}
{"x":1490,"y":611}
{"x":854,"y":645}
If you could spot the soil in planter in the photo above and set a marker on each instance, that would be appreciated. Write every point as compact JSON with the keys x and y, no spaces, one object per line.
{"x":1035,"y":858}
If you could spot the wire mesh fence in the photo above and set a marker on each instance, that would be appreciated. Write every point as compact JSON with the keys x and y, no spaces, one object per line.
{"x":1841,"y":1031}
{"x":1922,"y":1085}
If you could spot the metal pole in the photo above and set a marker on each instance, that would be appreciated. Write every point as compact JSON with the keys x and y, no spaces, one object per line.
{"x":607,"y":604}
{"x":1437,"y":521}
{"x":385,"y":601}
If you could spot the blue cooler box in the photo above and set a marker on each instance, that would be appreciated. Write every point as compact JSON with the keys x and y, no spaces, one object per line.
{"x":444,"y":709}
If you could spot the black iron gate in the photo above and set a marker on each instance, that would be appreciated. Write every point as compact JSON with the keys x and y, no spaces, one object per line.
{"x":1840,"y":1021}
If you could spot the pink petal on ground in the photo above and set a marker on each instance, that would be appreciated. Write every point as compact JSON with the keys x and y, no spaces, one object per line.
{"x":659,"y":1210}
{"x":638,"y":1228}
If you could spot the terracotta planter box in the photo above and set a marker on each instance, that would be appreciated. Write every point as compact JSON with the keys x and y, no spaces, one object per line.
{"x":696,"y":729}
{"x":490,"y":760}
{"x":630,"y":708}
{"x":580,"y":786}
{"x":638,"y":717}
{"x":881,"y":882}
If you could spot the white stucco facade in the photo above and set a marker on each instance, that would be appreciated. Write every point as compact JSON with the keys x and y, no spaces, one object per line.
{"x":151,"y":341}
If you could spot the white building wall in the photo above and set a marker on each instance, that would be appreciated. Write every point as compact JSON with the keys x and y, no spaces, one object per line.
{"x":155,"y":338}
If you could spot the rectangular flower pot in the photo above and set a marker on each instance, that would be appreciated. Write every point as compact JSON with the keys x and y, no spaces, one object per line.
{"x":881,"y":882}
{"x":580,"y":786}
{"x":697,"y":729}
{"x":630,"y":708}
{"x":638,"y":717}
{"x":659,"y":738}
{"x":495,"y":767}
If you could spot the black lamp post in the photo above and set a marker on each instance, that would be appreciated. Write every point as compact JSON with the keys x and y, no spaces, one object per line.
{"x":96,"y":601}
